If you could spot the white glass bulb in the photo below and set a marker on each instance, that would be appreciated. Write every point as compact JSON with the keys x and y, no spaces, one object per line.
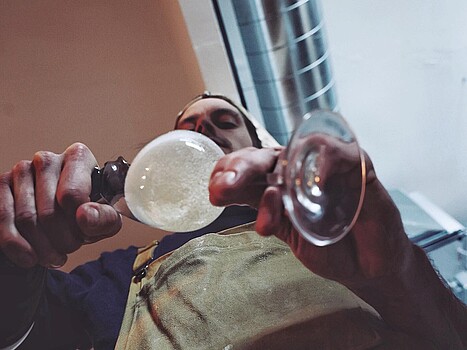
{"x":167,"y":183}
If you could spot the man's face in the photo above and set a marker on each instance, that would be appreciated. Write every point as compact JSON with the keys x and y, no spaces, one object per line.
{"x":218,"y":120}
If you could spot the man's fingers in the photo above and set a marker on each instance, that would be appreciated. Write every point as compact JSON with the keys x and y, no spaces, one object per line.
{"x":51,"y":217}
{"x":24,"y":204}
{"x":47,"y":167}
{"x":74,"y":185}
{"x":73,"y":190}
{"x":26,"y":218}
{"x":97,"y":221}
{"x":240,"y":177}
{"x":270,"y":217}
{"x":12,"y":244}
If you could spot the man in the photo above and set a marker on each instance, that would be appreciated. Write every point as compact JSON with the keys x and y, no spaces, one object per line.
{"x":45,"y":214}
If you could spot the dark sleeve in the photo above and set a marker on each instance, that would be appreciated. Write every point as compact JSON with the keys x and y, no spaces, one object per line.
{"x":83,"y":308}
{"x":20,"y":295}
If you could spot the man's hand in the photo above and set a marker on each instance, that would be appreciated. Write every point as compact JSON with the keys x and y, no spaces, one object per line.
{"x":376,"y":246}
{"x":45,"y":212}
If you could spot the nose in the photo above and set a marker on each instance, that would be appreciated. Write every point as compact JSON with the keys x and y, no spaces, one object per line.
{"x":204,"y":127}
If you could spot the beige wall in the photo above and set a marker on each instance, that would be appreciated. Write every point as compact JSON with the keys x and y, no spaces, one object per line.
{"x":109,"y":73}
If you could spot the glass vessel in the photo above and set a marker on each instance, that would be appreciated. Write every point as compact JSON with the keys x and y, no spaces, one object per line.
{"x":166,"y":185}
{"x":322,"y":177}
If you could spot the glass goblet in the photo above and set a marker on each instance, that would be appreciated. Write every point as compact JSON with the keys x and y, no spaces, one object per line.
{"x":322,"y":177}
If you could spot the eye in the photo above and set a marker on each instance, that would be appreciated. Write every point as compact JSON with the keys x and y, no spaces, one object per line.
{"x":226,"y":121}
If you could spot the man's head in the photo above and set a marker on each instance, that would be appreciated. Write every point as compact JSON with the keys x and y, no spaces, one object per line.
{"x":221,"y":120}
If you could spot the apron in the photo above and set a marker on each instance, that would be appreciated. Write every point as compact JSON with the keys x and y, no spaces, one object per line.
{"x":238,"y":290}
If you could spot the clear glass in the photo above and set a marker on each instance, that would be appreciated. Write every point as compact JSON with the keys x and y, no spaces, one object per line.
{"x":323,"y":178}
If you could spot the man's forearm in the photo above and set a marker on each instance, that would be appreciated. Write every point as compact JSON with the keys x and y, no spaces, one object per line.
{"x":20,"y":295}
{"x":417,"y":303}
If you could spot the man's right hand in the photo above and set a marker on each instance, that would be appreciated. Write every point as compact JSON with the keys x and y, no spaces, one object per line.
{"x":45,"y":211}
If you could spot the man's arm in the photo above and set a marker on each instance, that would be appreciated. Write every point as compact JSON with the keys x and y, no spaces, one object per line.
{"x":417,"y":302}
{"x":45,"y":214}
{"x":31,"y":317}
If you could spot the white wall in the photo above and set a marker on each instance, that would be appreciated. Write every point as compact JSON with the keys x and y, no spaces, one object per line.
{"x":401,"y":70}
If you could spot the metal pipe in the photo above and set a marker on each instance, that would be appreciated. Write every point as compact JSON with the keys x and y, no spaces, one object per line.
{"x":288,"y":57}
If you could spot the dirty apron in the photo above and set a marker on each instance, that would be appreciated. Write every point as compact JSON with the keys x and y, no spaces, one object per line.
{"x":238,"y":290}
